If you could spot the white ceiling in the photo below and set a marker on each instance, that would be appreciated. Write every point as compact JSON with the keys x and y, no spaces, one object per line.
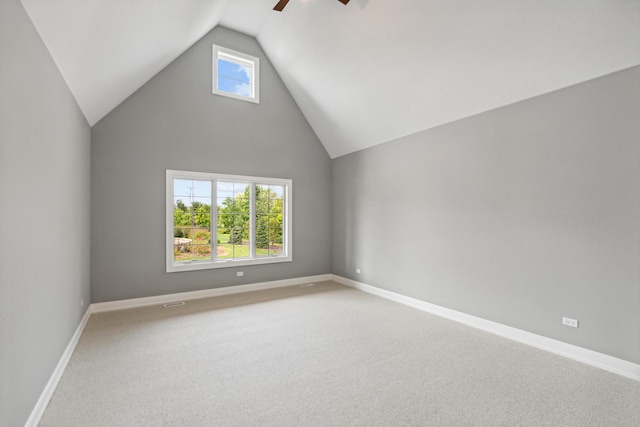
{"x":363,"y":74}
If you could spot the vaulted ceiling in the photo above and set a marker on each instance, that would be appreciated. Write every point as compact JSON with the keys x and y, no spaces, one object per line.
{"x":363,"y":74}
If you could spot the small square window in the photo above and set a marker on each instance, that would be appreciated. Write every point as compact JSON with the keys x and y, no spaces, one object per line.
{"x":235,"y":74}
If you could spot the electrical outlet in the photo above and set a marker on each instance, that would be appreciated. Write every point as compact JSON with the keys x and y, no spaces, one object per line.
{"x":81,"y":303}
{"x":570,"y":322}
{"x":358,"y":270}
{"x":240,"y":273}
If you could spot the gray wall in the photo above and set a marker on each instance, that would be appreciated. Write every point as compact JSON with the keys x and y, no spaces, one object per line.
{"x":174,"y":122}
{"x":44,"y":218}
{"x":520,"y":215}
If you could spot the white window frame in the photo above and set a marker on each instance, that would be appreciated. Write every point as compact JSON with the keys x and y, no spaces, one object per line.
{"x":173,"y":266}
{"x":220,"y":52}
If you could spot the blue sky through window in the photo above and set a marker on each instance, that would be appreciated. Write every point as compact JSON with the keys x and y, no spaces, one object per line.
{"x":189,"y":191}
{"x":234,"y":78}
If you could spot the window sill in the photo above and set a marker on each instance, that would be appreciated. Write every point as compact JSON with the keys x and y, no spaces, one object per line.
{"x":207,"y":265}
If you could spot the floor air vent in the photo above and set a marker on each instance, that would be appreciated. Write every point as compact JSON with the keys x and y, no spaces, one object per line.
{"x":174,"y":304}
{"x":307,"y":285}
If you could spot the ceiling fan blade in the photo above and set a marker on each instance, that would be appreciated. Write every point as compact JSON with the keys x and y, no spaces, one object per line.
{"x":282,"y":3}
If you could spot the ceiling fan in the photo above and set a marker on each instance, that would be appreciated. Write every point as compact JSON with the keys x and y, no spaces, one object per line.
{"x":282,"y":3}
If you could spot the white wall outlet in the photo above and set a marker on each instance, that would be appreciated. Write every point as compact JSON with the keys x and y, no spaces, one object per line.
{"x":570,"y":322}
{"x":240,"y":273}
{"x":81,"y":303}
{"x":358,"y":270}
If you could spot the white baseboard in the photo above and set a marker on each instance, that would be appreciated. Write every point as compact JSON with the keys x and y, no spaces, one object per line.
{"x":50,"y":388}
{"x":206,"y":293}
{"x":603,"y":361}
{"x":590,"y":357}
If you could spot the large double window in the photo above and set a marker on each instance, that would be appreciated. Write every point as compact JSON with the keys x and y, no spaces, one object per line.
{"x":216,"y":220}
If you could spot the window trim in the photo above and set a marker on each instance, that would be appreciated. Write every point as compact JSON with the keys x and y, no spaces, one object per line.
{"x":172,"y":266}
{"x":253,"y":61}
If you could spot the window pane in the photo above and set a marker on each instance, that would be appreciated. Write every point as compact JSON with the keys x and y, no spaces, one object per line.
{"x":225,"y":249}
{"x":181,"y":247}
{"x":233,"y":218}
{"x":262,"y":191}
{"x":262,"y":234}
{"x":224,"y":188}
{"x":275,"y":206}
{"x":269,"y":221}
{"x":236,"y":231}
{"x":243,"y":73}
{"x":180,"y":187}
{"x":276,"y":191}
{"x":230,"y":206}
{"x":179,"y":202}
{"x":196,"y":201}
{"x":226,"y":68}
{"x":234,"y":71}
{"x":226,"y":85}
{"x":181,"y":215}
{"x":191,"y":188}
{"x":191,"y":243}
{"x":226,"y":221}
{"x":240,"y":189}
{"x":201,"y":252}
{"x":276,"y":248}
{"x":276,"y":231}
{"x":225,"y":204}
{"x":262,"y":206}
{"x":189,"y":252}
{"x":182,"y":252}
{"x":182,"y":232}
{"x":202,"y":188}
{"x":241,"y":247}
{"x":234,"y":86}
{"x":225,"y":252}
{"x":191,"y":219}
{"x":269,"y":234}
{"x":201,"y":236}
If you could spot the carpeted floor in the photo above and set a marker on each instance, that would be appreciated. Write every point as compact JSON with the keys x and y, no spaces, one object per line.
{"x":321,"y":355}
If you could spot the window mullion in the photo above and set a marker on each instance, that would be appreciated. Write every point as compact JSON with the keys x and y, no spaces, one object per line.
{"x":214,"y":220}
{"x":285,"y":214}
{"x":252,"y":220}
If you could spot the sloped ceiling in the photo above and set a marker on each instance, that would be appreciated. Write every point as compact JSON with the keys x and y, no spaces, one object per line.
{"x":363,"y":74}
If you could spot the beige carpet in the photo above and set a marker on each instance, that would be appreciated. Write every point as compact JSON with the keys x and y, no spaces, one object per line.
{"x":321,"y":355}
